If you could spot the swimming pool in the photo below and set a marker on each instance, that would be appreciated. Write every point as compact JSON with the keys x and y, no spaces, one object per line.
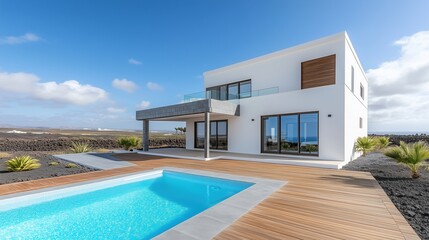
{"x":133,"y":207}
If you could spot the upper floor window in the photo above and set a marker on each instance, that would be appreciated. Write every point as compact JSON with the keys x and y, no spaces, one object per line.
{"x":362,"y":91}
{"x":236,"y":90}
{"x":353,"y":80}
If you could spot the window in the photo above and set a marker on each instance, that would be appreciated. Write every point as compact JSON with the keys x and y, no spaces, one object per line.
{"x":360,"y":122}
{"x":308,"y":133}
{"x":218,"y":138}
{"x":362,"y":91}
{"x":223,"y":93}
{"x":230,"y":91}
{"x":233,"y":91}
{"x":270,"y":129}
{"x":353,"y":80}
{"x":213,"y":93}
{"x":296,"y":133}
{"x":245,"y":89}
{"x":289,"y":133}
{"x":199,"y":135}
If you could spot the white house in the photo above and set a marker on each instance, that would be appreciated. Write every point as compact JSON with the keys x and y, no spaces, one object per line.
{"x":308,"y":100}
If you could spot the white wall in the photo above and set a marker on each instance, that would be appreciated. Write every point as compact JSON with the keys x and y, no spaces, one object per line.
{"x":355,"y":106}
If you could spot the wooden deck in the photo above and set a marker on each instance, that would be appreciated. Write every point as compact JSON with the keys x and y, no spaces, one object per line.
{"x":315,"y":204}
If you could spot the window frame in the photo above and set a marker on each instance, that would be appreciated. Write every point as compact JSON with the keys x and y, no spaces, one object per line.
{"x":218,"y":87}
{"x":362,"y":91}
{"x":261,"y":139}
{"x":217,"y":134}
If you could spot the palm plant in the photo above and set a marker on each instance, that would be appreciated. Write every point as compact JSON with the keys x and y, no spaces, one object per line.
{"x":80,"y":147}
{"x":412,"y":155}
{"x":382,"y":142}
{"x":364,"y":145}
{"x":22,"y":163}
{"x":128,"y":143}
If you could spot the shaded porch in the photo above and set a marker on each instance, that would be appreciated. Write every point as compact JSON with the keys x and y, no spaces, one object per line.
{"x":204,"y":108}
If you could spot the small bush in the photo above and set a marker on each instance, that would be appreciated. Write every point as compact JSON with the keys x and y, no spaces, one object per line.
{"x":22,"y":163}
{"x":71,"y":165}
{"x":365,"y":145}
{"x":80,"y":147}
{"x":381,"y":142}
{"x":54,"y":163}
{"x":412,"y":155}
{"x":128,"y":143}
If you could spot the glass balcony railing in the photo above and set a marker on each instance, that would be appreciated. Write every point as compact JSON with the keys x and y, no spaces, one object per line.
{"x":212,"y":94}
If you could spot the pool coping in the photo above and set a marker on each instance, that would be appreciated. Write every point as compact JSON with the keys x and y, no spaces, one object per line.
{"x":208,"y":223}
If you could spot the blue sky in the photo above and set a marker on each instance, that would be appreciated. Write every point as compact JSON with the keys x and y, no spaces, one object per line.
{"x":162,"y":47}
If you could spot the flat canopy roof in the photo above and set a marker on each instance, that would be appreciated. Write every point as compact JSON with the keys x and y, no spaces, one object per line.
{"x":190,"y":108}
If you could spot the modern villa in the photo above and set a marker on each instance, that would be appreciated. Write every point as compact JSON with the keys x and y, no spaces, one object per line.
{"x":308,"y":101}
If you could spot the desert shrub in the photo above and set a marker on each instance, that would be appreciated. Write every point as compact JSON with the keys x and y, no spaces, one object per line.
{"x":130,"y":142}
{"x":365,"y":145}
{"x":54,"y":163}
{"x":22,"y":163}
{"x":412,"y":155}
{"x":381,"y":142}
{"x":71,"y":165}
{"x":80,"y":147}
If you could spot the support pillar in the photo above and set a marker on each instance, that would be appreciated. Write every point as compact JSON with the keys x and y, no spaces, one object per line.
{"x":206,"y":135}
{"x":145,"y":135}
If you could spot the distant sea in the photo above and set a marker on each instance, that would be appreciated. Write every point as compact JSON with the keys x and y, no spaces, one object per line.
{"x":400,"y":133}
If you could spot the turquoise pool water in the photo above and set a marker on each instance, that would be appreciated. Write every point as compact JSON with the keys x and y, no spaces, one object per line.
{"x":138,"y":210}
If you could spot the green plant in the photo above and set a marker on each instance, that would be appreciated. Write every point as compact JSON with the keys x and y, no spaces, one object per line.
{"x":80,"y":147}
{"x":365,"y":145}
{"x":311,"y":148}
{"x":382,"y":142}
{"x":54,"y":163}
{"x":130,"y":142}
{"x":71,"y":165}
{"x":412,"y":155}
{"x":22,"y":163}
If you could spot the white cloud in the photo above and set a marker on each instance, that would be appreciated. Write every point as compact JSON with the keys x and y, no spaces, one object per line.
{"x":399,"y":88}
{"x":154,"y":86}
{"x":143,"y":105}
{"x":28,"y":37}
{"x":124,"y":84}
{"x":115,"y":110}
{"x":134,"y":61}
{"x":70,"y":91}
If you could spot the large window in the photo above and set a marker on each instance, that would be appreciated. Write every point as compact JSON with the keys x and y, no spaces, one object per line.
{"x":199,"y":135}
{"x":296,"y":133}
{"x":289,"y":133}
{"x":231,"y":91}
{"x":218,"y":135}
{"x":270,"y":133}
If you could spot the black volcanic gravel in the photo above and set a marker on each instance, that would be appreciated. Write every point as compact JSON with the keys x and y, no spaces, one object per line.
{"x":410,"y":196}
{"x":45,"y":171}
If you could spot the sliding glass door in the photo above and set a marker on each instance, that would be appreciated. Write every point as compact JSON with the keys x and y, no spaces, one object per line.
{"x":309,"y":133}
{"x":289,"y":133}
{"x":270,"y":133}
{"x":218,"y":135}
{"x":296,"y":133}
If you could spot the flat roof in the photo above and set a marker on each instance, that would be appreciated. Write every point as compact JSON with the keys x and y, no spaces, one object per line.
{"x":190,"y":108}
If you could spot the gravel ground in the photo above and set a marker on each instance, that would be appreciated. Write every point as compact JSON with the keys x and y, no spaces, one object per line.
{"x":411,"y":196}
{"x":45,"y":171}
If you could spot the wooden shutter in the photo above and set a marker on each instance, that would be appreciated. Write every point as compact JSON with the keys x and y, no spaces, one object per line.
{"x":318,"y":72}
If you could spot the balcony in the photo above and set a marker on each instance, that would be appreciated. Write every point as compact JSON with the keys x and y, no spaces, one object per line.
{"x":213,"y":94}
